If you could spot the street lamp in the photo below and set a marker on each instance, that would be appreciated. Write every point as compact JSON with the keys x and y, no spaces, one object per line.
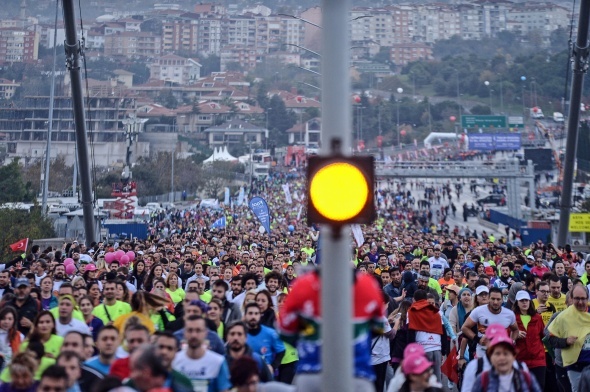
{"x":399,"y":91}
{"x":266,"y":130}
{"x":490,"y":93}
{"x":523,"y":80}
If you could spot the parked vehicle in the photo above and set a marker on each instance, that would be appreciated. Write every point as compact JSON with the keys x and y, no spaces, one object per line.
{"x":558,"y":117}
{"x":536,"y":113}
{"x":496,"y":198}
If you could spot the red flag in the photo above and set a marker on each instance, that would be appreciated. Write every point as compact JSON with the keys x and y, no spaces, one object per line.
{"x":451,"y":365}
{"x":20,"y":246}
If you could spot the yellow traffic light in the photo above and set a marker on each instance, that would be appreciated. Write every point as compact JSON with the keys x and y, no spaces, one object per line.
{"x":340,"y":190}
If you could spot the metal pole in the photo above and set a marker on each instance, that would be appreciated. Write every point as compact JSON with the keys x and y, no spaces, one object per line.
{"x":73,"y":51}
{"x":398,"y":136}
{"x":337,"y":336}
{"x":580,"y":54}
{"x":50,"y":120}
{"x":501,"y":98}
{"x":172,"y":178}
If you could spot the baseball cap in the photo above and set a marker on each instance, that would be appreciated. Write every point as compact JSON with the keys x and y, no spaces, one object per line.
{"x":22,"y":282}
{"x":90,"y":267}
{"x":416,"y":364}
{"x":522,"y":294}
{"x":454,"y":288}
{"x":530,"y":257}
{"x":413,"y":349}
{"x":489,"y":271}
{"x":500,"y":339}
{"x":482,"y":289}
{"x":495,"y":330}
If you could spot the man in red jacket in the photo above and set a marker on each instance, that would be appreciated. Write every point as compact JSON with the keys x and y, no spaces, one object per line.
{"x":425,"y":324}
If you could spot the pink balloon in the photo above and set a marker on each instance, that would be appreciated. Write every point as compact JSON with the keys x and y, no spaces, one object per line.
{"x":119,"y":254}
{"x":124,"y":260}
{"x":68,"y":261}
{"x":131,"y":255}
{"x":109,"y":257}
{"x":70,"y":269}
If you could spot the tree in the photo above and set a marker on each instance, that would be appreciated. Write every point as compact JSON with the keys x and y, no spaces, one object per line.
{"x":18,"y":224}
{"x":279,"y":120}
{"x":12,"y":186}
{"x":210,"y":64}
{"x":262,"y":95}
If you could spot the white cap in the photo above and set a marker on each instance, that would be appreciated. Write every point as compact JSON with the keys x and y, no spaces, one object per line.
{"x":482,"y":289}
{"x":522,"y":294}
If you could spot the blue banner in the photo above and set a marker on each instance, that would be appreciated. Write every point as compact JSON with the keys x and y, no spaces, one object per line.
{"x":259,"y":207}
{"x":219,"y":223}
{"x":494,"y":141}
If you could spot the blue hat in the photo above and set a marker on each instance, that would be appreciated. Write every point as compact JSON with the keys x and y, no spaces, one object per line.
{"x":22,"y":282}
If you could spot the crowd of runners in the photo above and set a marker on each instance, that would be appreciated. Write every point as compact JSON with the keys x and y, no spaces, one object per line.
{"x":199,"y":306}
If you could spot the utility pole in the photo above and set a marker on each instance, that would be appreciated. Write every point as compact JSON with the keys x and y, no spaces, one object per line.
{"x":73,"y":51}
{"x":172,"y":176}
{"x":337,"y":338}
{"x":50,"y":122}
{"x":580,"y":64}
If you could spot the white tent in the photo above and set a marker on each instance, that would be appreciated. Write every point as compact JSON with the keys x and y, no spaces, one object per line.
{"x":220,"y":154}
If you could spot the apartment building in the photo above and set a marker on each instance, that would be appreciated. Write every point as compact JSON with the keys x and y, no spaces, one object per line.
{"x":175,"y":69}
{"x":18,"y":46}
{"x":132,"y":44}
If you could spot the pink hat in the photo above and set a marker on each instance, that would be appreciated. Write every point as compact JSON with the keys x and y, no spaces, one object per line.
{"x":413,"y":349}
{"x":500,"y":340}
{"x":415,"y":364}
{"x":90,"y":267}
{"x":496,"y":330}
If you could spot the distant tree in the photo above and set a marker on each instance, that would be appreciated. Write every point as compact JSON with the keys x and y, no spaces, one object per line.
{"x":262,"y":95}
{"x":12,"y":186}
{"x":166,"y":98}
{"x":210,"y":64}
{"x":481,"y":110}
{"x":279,"y":120}
{"x":18,"y":224}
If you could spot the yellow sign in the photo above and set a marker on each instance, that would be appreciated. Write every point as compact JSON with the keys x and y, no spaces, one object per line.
{"x":579,"y":223}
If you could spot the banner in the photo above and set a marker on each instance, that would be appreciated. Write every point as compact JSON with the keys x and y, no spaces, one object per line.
{"x":226,"y":199}
{"x":259,"y":207}
{"x":357,"y":233}
{"x":241,"y":196}
{"x":299,"y":212}
{"x":287,"y":191}
{"x":219,"y":223}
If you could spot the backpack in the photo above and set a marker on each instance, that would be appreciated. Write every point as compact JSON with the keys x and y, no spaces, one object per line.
{"x":485,"y":377}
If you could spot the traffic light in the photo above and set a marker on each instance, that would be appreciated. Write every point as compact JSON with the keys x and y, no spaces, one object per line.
{"x":340,"y":190}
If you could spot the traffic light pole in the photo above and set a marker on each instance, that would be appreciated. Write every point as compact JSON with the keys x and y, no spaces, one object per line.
{"x":73,"y":50}
{"x":580,"y":64}
{"x":337,"y":333}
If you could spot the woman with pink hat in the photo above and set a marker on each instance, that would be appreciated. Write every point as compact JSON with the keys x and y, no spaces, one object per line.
{"x":506,"y":373}
{"x":415,"y":373}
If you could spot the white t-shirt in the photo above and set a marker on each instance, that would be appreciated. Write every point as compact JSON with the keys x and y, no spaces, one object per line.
{"x":380,"y":346}
{"x":483,"y":318}
{"x":430,"y":341}
{"x":203,"y":371}
{"x":437,"y":267}
{"x":73,"y":325}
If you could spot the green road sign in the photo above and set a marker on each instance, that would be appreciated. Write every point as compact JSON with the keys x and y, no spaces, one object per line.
{"x":469,"y":121}
{"x":515,"y":122}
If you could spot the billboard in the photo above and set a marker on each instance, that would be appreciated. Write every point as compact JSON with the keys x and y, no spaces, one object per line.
{"x":494,"y":141}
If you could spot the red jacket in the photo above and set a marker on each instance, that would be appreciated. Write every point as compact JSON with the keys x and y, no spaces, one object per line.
{"x":530,"y":349}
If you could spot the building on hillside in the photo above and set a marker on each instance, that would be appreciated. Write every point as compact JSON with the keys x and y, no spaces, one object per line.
{"x":175,"y":69}
{"x":308,"y":133}
{"x":235,"y":132}
{"x":8,"y":88}
{"x":18,"y":46}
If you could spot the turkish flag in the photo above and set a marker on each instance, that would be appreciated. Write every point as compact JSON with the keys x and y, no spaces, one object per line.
{"x":20,"y":246}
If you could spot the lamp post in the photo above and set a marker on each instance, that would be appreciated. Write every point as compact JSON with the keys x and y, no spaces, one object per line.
{"x":490,"y":93}
{"x":266,"y":130}
{"x":399,"y":91}
{"x":523,"y":80}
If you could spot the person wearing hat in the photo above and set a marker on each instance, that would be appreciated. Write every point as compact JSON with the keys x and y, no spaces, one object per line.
{"x":529,"y":345}
{"x":26,"y":306}
{"x":492,"y":313}
{"x":506,"y":373}
{"x":451,"y":301}
{"x":66,"y":322}
{"x":419,"y":375}
{"x":477,"y":366}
